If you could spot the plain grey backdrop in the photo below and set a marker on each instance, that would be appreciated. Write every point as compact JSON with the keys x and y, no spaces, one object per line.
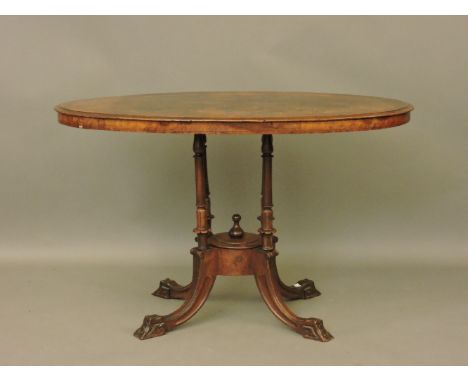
{"x":90,"y":221}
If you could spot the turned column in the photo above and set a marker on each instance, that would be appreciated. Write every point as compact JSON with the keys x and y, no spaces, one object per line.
{"x":207,"y":185}
{"x":266,"y":218}
{"x":203,"y":214}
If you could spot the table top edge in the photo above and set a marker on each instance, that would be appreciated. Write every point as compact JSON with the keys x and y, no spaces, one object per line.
{"x":62,"y":110}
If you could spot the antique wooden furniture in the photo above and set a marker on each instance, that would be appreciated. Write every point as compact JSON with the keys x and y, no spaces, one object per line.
{"x":236,"y":252}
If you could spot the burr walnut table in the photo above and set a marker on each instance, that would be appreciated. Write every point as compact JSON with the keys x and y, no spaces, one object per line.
{"x":234,"y":253}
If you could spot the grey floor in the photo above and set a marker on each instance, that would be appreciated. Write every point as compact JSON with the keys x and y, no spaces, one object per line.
{"x":65,"y":313}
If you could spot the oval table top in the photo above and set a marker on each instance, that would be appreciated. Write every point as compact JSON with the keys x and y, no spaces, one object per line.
{"x":235,"y":113}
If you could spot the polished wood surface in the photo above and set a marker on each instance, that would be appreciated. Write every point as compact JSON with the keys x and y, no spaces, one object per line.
{"x":235,"y":113}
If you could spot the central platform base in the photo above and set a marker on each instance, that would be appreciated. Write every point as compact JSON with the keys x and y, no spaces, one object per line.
{"x":235,"y":262}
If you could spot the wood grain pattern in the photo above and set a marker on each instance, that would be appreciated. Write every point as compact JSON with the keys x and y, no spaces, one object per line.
{"x":235,"y":113}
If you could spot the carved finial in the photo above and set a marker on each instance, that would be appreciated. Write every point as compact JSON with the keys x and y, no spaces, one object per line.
{"x":236,"y":232}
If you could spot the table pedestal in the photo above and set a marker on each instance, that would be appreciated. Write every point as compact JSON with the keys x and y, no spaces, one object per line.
{"x":234,"y":253}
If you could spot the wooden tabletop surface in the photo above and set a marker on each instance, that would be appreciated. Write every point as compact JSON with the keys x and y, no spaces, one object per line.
{"x":235,"y":113}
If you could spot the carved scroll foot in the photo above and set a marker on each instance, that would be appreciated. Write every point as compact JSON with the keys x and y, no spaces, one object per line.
{"x":265,"y":277}
{"x":153,"y":326}
{"x":170,"y":289}
{"x":312,"y":328}
{"x":301,"y":290}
